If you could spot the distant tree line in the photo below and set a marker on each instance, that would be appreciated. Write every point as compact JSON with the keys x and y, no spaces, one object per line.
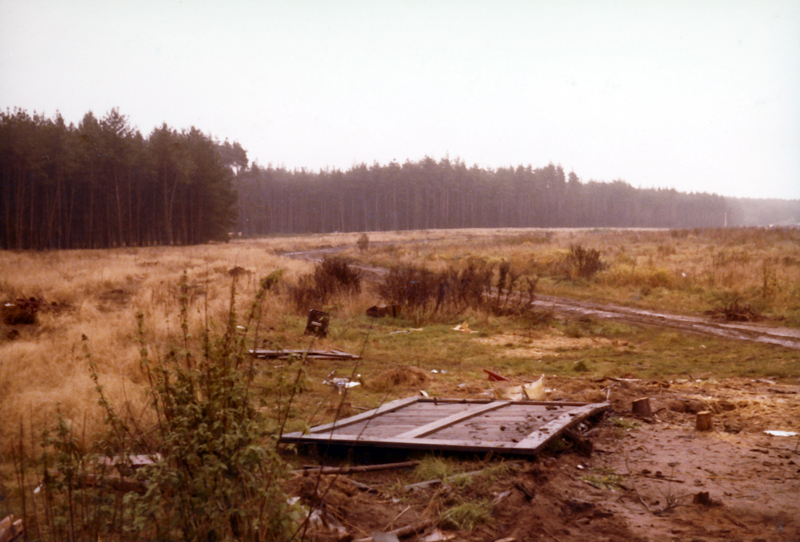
{"x":102,"y":184}
{"x":447,"y":194}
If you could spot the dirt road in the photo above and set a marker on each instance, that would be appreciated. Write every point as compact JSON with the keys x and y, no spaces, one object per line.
{"x":788,"y":337}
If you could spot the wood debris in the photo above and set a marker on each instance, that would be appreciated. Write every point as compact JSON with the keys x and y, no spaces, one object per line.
{"x":307,"y":354}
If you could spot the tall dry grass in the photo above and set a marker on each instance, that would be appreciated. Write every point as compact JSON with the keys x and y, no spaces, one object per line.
{"x":97,"y":295}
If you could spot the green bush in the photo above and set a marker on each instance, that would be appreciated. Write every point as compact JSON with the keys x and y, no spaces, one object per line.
{"x":214,"y":473}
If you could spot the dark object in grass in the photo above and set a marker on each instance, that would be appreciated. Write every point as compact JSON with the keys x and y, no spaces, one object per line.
{"x":379,"y":311}
{"x":641,"y":408}
{"x":21,"y":312}
{"x":317,"y":323}
{"x":703,"y":498}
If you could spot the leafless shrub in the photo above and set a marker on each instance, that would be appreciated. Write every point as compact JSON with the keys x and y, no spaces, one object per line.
{"x":477,"y":286}
{"x":736,"y":311}
{"x":331,"y":276}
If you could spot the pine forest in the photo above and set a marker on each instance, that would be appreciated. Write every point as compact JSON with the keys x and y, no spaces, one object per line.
{"x":103,"y":184}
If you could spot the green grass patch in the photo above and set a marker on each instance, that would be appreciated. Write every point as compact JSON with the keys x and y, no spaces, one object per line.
{"x":623,"y":423}
{"x":605,"y":479}
{"x":466,"y":516}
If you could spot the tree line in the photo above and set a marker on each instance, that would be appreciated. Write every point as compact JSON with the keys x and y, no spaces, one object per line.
{"x":447,"y":194}
{"x":102,"y":184}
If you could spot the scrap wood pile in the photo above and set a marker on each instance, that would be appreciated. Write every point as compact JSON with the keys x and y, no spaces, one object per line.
{"x":10,"y":530}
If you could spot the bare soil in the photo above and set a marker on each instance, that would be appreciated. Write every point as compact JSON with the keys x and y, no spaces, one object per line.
{"x":645,"y":479}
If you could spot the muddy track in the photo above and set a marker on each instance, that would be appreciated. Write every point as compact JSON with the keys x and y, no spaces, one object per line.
{"x":562,"y":306}
{"x":742,"y":331}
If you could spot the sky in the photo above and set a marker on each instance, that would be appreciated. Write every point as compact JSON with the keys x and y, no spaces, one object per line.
{"x":696,"y":95}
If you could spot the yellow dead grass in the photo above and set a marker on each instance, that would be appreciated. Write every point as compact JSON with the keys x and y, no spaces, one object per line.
{"x":679,"y":270}
{"x":520,"y":346}
{"x":761,"y":408}
{"x":99,"y":294}
{"x":399,"y":377}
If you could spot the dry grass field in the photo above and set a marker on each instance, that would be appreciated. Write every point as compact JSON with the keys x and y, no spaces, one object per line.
{"x":88,"y":301}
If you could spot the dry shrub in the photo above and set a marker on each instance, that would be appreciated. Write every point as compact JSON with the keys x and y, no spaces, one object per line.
{"x":477,"y":285}
{"x":363,"y":242}
{"x":583,"y":263}
{"x":15,"y":314}
{"x":331,"y":277}
{"x":736,"y":311}
{"x":403,"y":376}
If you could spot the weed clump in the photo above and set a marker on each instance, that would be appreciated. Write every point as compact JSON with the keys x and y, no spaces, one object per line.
{"x":467,"y":515}
{"x":399,"y":376}
{"x":736,"y":311}
{"x":583,"y":263}
{"x":14,"y":315}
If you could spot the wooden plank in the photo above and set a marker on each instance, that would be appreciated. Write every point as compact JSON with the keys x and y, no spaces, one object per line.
{"x":419,"y":443}
{"x":308,"y":354}
{"x":539,"y":437}
{"x":353,"y":469}
{"x":451,"y":420}
{"x":445,"y":400}
{"x":383,"y":409}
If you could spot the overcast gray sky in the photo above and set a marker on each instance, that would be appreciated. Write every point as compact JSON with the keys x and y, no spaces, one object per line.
{"x":700,"y":95}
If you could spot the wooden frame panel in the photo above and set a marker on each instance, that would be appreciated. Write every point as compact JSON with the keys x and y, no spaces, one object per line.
{"x":481,"y":426}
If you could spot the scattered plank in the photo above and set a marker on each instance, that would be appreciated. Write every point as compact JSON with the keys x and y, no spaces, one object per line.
{"x":307,"y":354}
{"x":351,"y":470}
{"x":403,"y":531}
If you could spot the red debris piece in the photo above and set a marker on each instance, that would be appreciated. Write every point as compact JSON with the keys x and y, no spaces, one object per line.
{"x":494,"y":377}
